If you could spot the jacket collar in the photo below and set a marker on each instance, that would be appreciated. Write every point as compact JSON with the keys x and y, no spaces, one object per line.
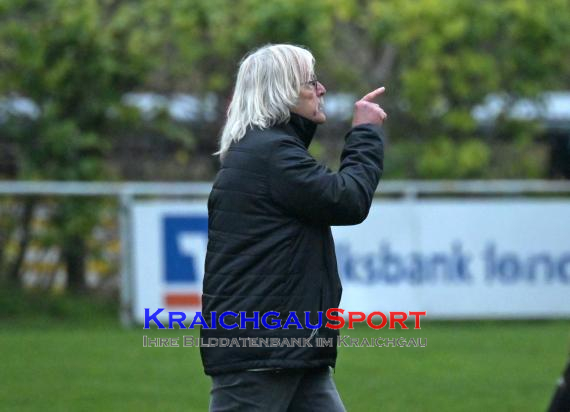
{"x":301,"y":127}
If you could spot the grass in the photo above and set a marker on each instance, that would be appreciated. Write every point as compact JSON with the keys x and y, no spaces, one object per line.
{"x":90,"y":363}
{"x":465,"y":367}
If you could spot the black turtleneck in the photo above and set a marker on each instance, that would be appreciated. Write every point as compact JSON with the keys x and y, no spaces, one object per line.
{"x":301,"y":127}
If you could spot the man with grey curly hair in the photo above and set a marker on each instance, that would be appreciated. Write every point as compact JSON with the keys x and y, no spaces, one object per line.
{"x":271,"y":270}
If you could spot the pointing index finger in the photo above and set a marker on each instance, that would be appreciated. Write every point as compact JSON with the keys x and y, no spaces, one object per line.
{"x":374,"y":94}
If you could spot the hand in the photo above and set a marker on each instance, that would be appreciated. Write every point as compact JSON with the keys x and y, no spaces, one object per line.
{"x":366,"y":111}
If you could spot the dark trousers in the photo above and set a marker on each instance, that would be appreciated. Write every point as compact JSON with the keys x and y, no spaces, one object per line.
{"x":282,"y":390}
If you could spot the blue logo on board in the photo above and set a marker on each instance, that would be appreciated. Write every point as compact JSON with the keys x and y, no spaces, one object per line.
{"x":185,"y":240}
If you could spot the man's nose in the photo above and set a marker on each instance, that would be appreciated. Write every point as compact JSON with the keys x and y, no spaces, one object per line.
{"x":321,"y":89}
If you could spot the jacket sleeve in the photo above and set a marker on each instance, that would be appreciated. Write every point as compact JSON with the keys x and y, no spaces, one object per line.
{"x":311,"y":192}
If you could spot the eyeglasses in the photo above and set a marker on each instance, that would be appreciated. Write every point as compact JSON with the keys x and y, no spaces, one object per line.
{"x":314,"y":83}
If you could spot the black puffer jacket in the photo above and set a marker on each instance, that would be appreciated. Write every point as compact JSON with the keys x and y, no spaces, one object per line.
{"x":270,"y":246}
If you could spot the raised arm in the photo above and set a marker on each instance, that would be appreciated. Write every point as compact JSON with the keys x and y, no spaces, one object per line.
{"x":312,"y":192}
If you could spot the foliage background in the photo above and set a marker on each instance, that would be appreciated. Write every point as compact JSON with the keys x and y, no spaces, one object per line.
{"x":76,"y":59}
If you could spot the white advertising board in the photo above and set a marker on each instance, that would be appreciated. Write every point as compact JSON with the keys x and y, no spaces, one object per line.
{"x":169,"y":249}
{"x":451,"y":258}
